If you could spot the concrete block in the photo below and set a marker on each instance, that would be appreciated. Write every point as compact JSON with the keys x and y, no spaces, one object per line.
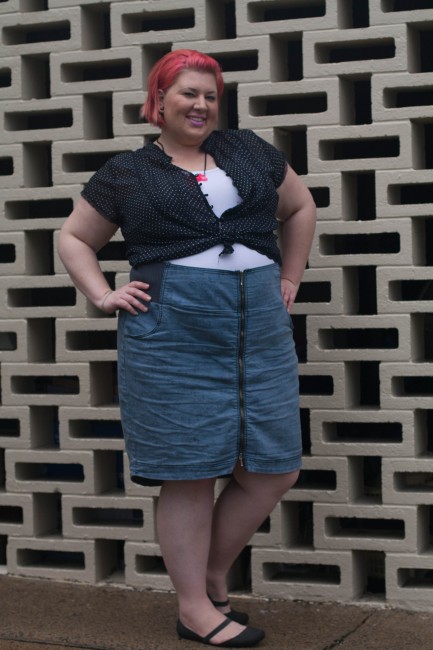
{"x":96,"y":71}
{"x":404,"y":194}
{"x":10,"y":71}
{"x":287,"y":104}
{"x":398,"y":96}
{"x":359,"y":147}
{"x":351,"y":338}
{"x":285,"y":16}
{"x":134,"y":489}
{"x":365,"y":527}
{"x":37,"y":208}
{"x":404,"y":290}
{"x":75,"y":162}
{"x":35,"y":120}
{"x":362,"y":432}
{"x":306,"y":575}
{"x":48,"y":471}
{"x":408,"y":580}
{"x":355,"y":51}
{"x":406,"y":386}
{"x":157,"y":21}
{"x":144,"y":567}
{"x":321,"y":292}
{"x":13,"y":340}
{"x":108,"y":517}
{"x":90,"y":428}
{"x":37,"y":32}
{"x":321,"y":480}
{"x":86,"y":339}
{"x":11,"y":166}
{"x":407,"y":481}
{"x":15,"y":427}
{"x":388,"y":12}
{"x":46,"y":384}
{"x":16,"y":514}
{"x":322,"y":383}
{"x":385,"y":243}
{"x":53,"y":558}
{"x":41,"y":297}
{"x":327,"y":193}
{"x":126,"y":115}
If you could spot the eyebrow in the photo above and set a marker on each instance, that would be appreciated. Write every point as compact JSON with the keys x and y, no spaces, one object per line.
{"x":207,"y":92}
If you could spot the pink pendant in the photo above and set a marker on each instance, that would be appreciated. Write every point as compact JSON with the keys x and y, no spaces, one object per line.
{"x":201,"y":177}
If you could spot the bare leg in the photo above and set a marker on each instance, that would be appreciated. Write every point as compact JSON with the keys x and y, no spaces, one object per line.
{"x":242,"y":506}
{"x":184,"y":521}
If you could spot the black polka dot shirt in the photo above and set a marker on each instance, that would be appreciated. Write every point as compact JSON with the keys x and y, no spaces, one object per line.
{"x":163,"y":214}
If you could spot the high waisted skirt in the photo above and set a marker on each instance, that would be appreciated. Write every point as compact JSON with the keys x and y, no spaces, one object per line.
{"x":208,"y":377}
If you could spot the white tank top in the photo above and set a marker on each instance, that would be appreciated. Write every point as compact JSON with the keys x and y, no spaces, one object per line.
{"x":221,"y":195}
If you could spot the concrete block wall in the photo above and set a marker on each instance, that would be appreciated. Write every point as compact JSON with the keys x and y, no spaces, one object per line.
{"x":345,"y":89}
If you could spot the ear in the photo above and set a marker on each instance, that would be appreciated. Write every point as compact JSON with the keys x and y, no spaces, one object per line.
{"x":161,"y":99}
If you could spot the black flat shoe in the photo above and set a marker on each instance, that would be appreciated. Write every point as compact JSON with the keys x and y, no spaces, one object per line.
{"x":233,"y":614}
{"x":246,"y":639}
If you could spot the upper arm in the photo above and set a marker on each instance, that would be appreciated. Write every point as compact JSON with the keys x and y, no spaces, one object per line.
{"x":88,"y":225}
{"x":293,"y":195}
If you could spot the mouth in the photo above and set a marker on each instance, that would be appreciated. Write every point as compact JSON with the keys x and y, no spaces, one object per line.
{"x":197,"y":120}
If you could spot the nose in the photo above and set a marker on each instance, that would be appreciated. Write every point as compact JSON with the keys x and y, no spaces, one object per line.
{"x":200,"y":102}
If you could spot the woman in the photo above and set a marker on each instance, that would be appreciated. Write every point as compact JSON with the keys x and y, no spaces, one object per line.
{"x":207,"y":369}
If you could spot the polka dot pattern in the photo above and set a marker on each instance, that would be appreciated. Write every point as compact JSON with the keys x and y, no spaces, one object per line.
{"x":162,"y":212}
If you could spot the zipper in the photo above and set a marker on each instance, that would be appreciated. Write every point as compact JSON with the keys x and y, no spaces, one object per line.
{"x":241,"y":371}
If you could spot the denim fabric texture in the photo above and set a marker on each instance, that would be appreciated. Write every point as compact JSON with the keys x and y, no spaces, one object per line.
{"x":208,"y":373}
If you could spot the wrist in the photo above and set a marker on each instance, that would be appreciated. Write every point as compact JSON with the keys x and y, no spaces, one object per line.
{"x":104,"y":298}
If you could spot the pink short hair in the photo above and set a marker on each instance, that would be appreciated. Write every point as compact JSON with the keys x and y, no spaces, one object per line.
{"x":164,"y":73}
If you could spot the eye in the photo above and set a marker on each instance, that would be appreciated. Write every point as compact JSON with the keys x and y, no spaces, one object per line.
{"x":211,"y":98}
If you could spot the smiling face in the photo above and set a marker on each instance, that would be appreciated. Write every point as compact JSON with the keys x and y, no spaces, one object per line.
{"x":190,"y":107}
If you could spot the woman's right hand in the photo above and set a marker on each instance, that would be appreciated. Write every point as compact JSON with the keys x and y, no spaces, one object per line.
{"x":131,"y":297}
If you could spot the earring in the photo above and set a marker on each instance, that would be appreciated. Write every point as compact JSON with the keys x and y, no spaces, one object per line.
{"x":161,"y":109}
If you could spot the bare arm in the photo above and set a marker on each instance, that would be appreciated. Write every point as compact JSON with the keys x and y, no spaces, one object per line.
{"x":83,"y":234}
{"x":297,"y":212}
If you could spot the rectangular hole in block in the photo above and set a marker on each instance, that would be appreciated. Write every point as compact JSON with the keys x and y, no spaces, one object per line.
{"x":36,"y":80}
{"x":363,"y":432}
{"x":8,"y":341}
{"x":364,"y":527}
{"x":50,"y":559}
{"x":348,"y":149}
{"x":38,"y":209}
{"x":47,"y":511}
{"x":88,"y":340}
{"x":305,"y":527}
{"x":6,"y":166}
{"x":10,"y":428}
{"x":316,"y":385}
{"x":367,"y":289}
{"x":238,"y":62}
{"x":116,"y":517}
{"x":372,"y":477}
{"x":411,"y":578}
{"x":355,"y":99}
{"x":85,"y":162}
{"x":95,"y":429}
{"x":150,"y":564}
{"x":386,"y":243}
{"x":353,"y":14}
{"x":321,"y":196}
{"x":7,"y":253}
{"x":328,"y":574}
{"x":405,"y":97}
{"x":157,"y":21}
{"x":98,"y":116}
{"x":286,"y":57}
{"x":34,"y":120}
{"x":11,"y":515}
{"x":64,"y":472}
{"x":369,"y":383}
{"x":359,"y":194}
{"x":46,"y":385}
{"x":96,"y":70}
{"x":369,"y":574}
{"x":40,"y":252}
{"x":314,"y":292}
{"x":3,"y":548}
{"x":51,"y":297}
{"x":427,"y":336}
{"x":44,"y":426}
{"x":413,"y":481}
{"x":359,"y":338}
{"x":280,"y":10}
{"x":289,"y":104}
{"x":412,"y":386}
{"x":305,"y":431}
{"x":38,"y":33}
{"x":95,"y":26}
{"x":389,"y":6}
{"x":37,"y":164}
{"x":355,"y":51}
{"x":293,"y":142}
{"x":5,"y":77}
{"x":41,"y":340}
{"x":300,"y":336}
{"x":316,"y":479}
{"x":411,"y":193}
{"x":114,"y":250}
{"x":411,"y":290}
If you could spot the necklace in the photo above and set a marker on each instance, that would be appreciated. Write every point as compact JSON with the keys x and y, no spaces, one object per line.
{"x":200,"y":177}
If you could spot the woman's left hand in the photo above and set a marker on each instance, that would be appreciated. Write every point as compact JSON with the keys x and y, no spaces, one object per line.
{"x":288,"y":291}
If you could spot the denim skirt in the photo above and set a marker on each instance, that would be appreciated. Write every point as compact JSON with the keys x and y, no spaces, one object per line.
{"x":208,"y":377}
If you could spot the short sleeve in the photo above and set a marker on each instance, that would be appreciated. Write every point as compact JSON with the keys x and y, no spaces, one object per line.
{"x":273,"y":158}
{"x":100,"y":191}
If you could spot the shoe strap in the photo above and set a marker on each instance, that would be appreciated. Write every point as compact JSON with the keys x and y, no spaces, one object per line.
{"x":217,"y":629}
{"x":220,"y":603}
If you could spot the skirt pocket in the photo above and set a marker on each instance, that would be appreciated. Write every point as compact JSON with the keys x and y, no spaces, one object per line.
{"x":145,"y":323}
